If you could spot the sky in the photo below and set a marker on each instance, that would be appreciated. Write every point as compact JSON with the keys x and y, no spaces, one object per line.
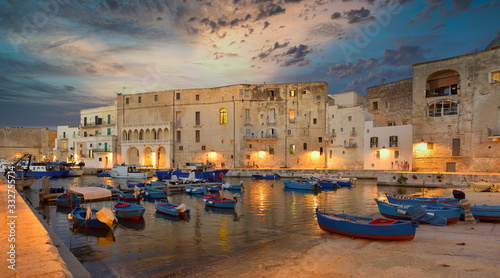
{"x":58,"y":57}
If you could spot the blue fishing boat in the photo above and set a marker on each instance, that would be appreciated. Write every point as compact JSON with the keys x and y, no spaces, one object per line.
{"x":366,"y":227}
{"x":129,"y":194}
{"x":194,"y":189}
{"x":301,"y":185}
{"x":434,"y":214}
{"x":68,"y":200}
{"x":484,"y":213}
{"x":326,"y":184}
{"x":409,"y":200}
{"x":218,"y":201}
{"x":80,"y":218}
{"x":212,"y":188}
{"x":172,"y":210}
{"x":201,"y":172}
{"x":153,"y":193}
{"x":133,"y":184}
{"x":38,"y":169}
{"x":266,"y":177}
{"x":102,"y":173}
{"x":235,"y":187}
{"x":128,"y":211}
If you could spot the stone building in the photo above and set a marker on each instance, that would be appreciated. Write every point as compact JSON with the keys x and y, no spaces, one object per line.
{"x":15,"y":141}
{"x":456,"y":113}
{"x":347,"y":114}
{"x":65,"y":144}
{"x":266,"y":126}
{"x":97,"y":142}
{"x":391,"y":103}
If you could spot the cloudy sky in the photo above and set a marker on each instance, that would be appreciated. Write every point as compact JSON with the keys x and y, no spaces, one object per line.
{"x":58,"y":57}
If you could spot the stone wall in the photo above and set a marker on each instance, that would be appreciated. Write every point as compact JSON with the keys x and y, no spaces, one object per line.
{"x":17,"y":140}
{"x":394,"y":102}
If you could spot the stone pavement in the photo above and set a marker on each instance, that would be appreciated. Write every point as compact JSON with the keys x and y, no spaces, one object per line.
{"x":34,"y":253}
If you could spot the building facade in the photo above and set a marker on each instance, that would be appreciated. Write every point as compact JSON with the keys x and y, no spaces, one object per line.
{"x":391,"y":103}
{"x":65,"y":144}
{"x":265,"y":126}
{"x":15,"y":141}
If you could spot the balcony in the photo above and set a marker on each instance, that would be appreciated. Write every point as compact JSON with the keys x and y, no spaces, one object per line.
{"x":494,"y":134}
{"x":265,"y":137}
{"x":393,"y":144}
{"x":373,"y":145}
{"x":354,"y":133}
{"x":351,"y":145}
{"x":333,"y":134}
{"x":103,"y":123}
{"x":102,"y":150}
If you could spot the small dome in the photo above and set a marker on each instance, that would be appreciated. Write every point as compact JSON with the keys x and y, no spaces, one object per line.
{"x":494,"y":43}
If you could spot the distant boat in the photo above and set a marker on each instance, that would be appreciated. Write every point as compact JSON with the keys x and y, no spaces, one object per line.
{"x":128,"y":211}
{"x":194,"y":189}
{"x":409,"y":200}
{"x":366,"y":227}
{"x":201,"y":172}
{"x":301,"y":185}
{"x":87,"y":218}
{"x":129,"y":172}
{"x":38,"y":169}
{"x":266,"y":177}
{"x":228,"y":186}
{"x":153,"y":193}
{"x":68,"y":200}
{"x":103,"y":173}
{"x":219,"y":202}
{"x":129,"y":194}
{"x":435,"y":214}
{"x":172,"y":210}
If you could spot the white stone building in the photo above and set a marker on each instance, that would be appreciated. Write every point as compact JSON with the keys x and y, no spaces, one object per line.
{"x":65,"y":145}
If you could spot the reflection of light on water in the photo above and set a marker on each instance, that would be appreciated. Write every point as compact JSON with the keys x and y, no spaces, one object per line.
{"x":315,"y":199}
{"x":223,"y":240}
{"x":261,"y":205}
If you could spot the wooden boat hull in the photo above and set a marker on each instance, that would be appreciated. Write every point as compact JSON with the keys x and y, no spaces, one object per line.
{"x":219,"y":202}
{"x":300,"y":186}
{"x":423,"y":201}
{"x":452,"y":215}
{"x":39,"y":174}
{"x":128,"y":197}
{"x":483,"y":213}
{"x":67,"y":201}
{"x":169,"y":209}
{"x":194,"y":189}
{"x":396,"y":230}
{"x":78,"y":215}
{"x":210,"y":175}
{"x":128,"y":211}
{"x":266,"y":177}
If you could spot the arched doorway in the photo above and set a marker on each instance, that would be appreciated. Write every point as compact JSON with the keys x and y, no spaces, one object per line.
{"x":133,"y":156}
{"x":147,"y":156}
{"x":161,"y":157}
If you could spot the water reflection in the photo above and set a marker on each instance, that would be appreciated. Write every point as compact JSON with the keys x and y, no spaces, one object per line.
{"x":133,"y":224}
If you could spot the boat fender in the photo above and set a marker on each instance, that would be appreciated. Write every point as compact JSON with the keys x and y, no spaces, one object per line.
{"x":70,"y":217}
{"x":400,"y":211}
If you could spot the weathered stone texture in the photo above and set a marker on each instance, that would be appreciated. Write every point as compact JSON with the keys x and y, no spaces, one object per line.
{"x":394,"y":102}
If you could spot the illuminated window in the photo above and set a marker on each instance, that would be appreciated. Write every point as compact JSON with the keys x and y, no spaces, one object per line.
{"x":292,"y":93}
{"x":222,"y":141}
{"x":443,"y":86}
{"x":64,"y":145}
{"x":495,"y":76}
{"x":292,"y":115}
{"x":377,"y":154}
{"x":223,"y":116}
{"x":271,"y":149}
{"x":292,"y":149}
{"x":373,"y":142}
{"x":232,"y":141}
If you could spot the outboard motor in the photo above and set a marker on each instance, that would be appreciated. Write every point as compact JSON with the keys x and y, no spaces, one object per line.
{"x":460,"y":195}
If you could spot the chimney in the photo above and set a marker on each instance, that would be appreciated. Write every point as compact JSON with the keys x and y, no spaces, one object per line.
{"x":383,"y":81}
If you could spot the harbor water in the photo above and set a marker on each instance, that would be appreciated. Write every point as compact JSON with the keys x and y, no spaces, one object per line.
{"x":162,"y":246}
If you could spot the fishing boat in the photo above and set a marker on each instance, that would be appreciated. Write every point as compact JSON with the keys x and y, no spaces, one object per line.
{"x":212,"y":188}
{"x":483,"y":213}
{"x":325,"y":184}
{"x":219,"y":202}
{"x":128,"y":210}
{"x":68,"y":200}
{"x":130,"y":172}
{"x":409,"y":200}
{"x":301,"y":185}
{"x":434,"y":214}
{"x":129,"y":194}
{"x":92,"y":218}
{"x":483,"y":186}
{"x":194,"y":189}
{"x":89,"y":218}
{"x":102,"y":173}
{"x":4,"y":164}
{"x":172,"y":210}
{"x":201,"y":172}
{"x":366,"y":227}
{"x":134,"y":184}
{"x":235,"y":187}
{"x":153,"y":193}
{"x":38,"y":169}
{"x":266,"y":177}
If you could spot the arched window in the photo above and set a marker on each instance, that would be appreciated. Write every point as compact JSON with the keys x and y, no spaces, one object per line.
{"x":223,"y":116}
{"x":442,"y":108}
{"x":443,"y":83}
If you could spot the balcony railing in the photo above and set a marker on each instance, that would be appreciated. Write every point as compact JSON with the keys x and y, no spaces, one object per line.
{"x":354,"y":133}
{"x":333,"y":134}
{"x":373,"y":145}
{"x":350,"y":145}
{"x":101,"y":150}
{"x":393,"y":144}
{"x":92,"y":124}
{"x":262,"y":137}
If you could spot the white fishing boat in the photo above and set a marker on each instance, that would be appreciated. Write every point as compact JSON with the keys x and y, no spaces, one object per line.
{"x":3,"y":165}
{"x":130,"y":172}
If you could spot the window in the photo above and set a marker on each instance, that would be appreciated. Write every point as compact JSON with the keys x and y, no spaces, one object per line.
{"x":349,"y":118}
{"x":139,"y":99}
{"x":443,"y":86}
{"x":393,"y":141}
{"x":430,"y":146}
{"x":250,"y":146}
{"x":495,"y":76}
{"x":109,"y":118}
{"x":405,"y":122}
{"x":91,"y":153}
{"x":389,"y":123}
{"x":373,"y":142}
{"x":197,"y":135}
{"x":64,"y":146}
{"x":292,"y":93}
{"x":333,"y":132}
{"x":197,"y":97}
{"x":318,"y":97}
{"x":178,"y":96}
{"x":320,"y":139}
{"x":247,"y":93}
{"x":304,"y":92}
{"x":223,"y":116}
{"x":396,"y":154}
{"x":232,"y":141}
{"x":178,"y":139}
{"x":289,"y":132}
{"x":333,"y":116}
{"x":247,"y":156}
{"x":271,"y":149}
{"x":314,"y":121}
{"x":377,"y":154}
{"x":64,"y":134}
{"x":271,"y":94}
{"x":178,"y":118}
{"x":197,"y":118}
{"x":181,"y":148}
{"x":375,"y":105}
{"x":305,"y":146}
{"x":222,"y":141}
{"x":455,"y":147}
{"x":386,"y":105}
{"x":271,"y":116}
{"x":127,"y":100}
{"x":353,"y":131}
{"x":156,"y":97}
{"x":97,"y":132}
{"x":442,"y":108}
{"x":292,"y":149}
{"x":292,"y":116}
{"x":109,"y":131}
{"x":203,"y":148}
{"x":247,"y":115}
{"x":331,"y":154}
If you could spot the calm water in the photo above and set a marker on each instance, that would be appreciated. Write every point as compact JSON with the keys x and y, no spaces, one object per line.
{"x":161,"y":245}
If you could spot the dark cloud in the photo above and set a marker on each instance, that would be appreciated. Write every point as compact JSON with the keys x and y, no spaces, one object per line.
{"x":266,"y":53}
{"x":357,"y":16}
{"x":336,"y":15}
{"x":269,"y":10}
{"x":437,"y":26}
{"x":461,"y":5}
{"x":266,"y":24}
{"x":404,"y":55}
{"x":219,"y":55}
{"x":296,"y":56}
{"x":361,"y":66}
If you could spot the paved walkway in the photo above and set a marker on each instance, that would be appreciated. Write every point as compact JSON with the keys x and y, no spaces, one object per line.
{"x":35,"y":254}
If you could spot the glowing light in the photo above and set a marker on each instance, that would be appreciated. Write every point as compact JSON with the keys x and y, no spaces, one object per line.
{"x":315,"y":155}
{"x":384,"y":153}
{"x":154,"y":159}
{"x":212,"y":156}
{"x":261,"y":154}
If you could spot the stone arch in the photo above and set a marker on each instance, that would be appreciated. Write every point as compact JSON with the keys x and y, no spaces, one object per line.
{"x":147,"y":135}
{"x":141,"y":135}
{"x":136,"y":135}
{"x":160,"y":134}
{"x":161,"y":157}
{"x":133,"y":156}
{"x":154,"y":135}
{"x":147,"y":156}
{"x":124,"y":136}
{"x":442,"y":83}
{"x":129,"y":135}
